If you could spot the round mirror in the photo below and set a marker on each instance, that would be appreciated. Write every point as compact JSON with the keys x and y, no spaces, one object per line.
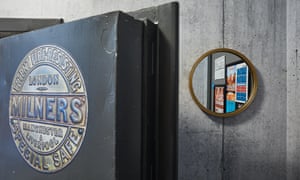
{"x":223,"y":82}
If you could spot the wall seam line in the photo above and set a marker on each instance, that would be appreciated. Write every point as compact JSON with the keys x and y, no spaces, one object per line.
{"x":223,"y":119}
{"x":222,"y":157}
{"x":223,"y":24}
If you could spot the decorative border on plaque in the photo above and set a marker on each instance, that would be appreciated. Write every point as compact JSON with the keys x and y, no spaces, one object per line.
{"x":48,"y":108}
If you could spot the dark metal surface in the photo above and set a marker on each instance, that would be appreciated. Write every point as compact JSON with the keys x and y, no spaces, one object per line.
{"x":130,"y":69}
{"x":129,"y":99}
{"x":149,"y":137}
{"x":166,"y":107}
{"x":107,"y":50}
{"x":11,"y":26}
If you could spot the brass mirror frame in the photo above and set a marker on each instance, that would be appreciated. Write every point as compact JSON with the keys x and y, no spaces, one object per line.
{"x":253,"y":78}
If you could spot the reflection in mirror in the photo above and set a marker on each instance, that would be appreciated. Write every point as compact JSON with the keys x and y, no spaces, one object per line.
{"x":222,"y":82}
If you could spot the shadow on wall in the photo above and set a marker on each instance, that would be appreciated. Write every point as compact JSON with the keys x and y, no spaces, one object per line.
{"x":199,"y":152}
{"x":260,"y":166}
{"x":202,"y":152}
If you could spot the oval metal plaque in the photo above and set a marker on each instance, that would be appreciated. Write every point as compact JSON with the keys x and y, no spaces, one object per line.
{"x":48,"y":108}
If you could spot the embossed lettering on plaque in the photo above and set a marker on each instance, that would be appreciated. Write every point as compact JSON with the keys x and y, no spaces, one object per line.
{"x":48,"y":108}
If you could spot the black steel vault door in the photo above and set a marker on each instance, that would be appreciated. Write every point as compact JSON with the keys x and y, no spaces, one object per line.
{"x":91,"y":99}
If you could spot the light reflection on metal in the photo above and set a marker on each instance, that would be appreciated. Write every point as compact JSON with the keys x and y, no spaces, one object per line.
{"x":48,"y":108}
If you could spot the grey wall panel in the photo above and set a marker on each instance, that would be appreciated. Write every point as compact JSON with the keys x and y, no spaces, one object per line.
{"x":200,"y":136}
{"x":255,"y":141}
{"x":293,"y":93}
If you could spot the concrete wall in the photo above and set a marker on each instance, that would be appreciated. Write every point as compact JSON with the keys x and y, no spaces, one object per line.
{"x":263,"y":142}
{"x":293,"y":93}
{"x":255,"y":141}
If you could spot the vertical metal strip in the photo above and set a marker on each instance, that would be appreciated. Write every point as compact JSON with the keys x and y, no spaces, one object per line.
{"x":168,"y":90}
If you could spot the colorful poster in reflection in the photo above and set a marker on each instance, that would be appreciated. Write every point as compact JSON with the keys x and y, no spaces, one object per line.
{"x":230,"y":78}
{"x":241,"y":89}
{"x":219,"y":99}
{"x":230,"y":102}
